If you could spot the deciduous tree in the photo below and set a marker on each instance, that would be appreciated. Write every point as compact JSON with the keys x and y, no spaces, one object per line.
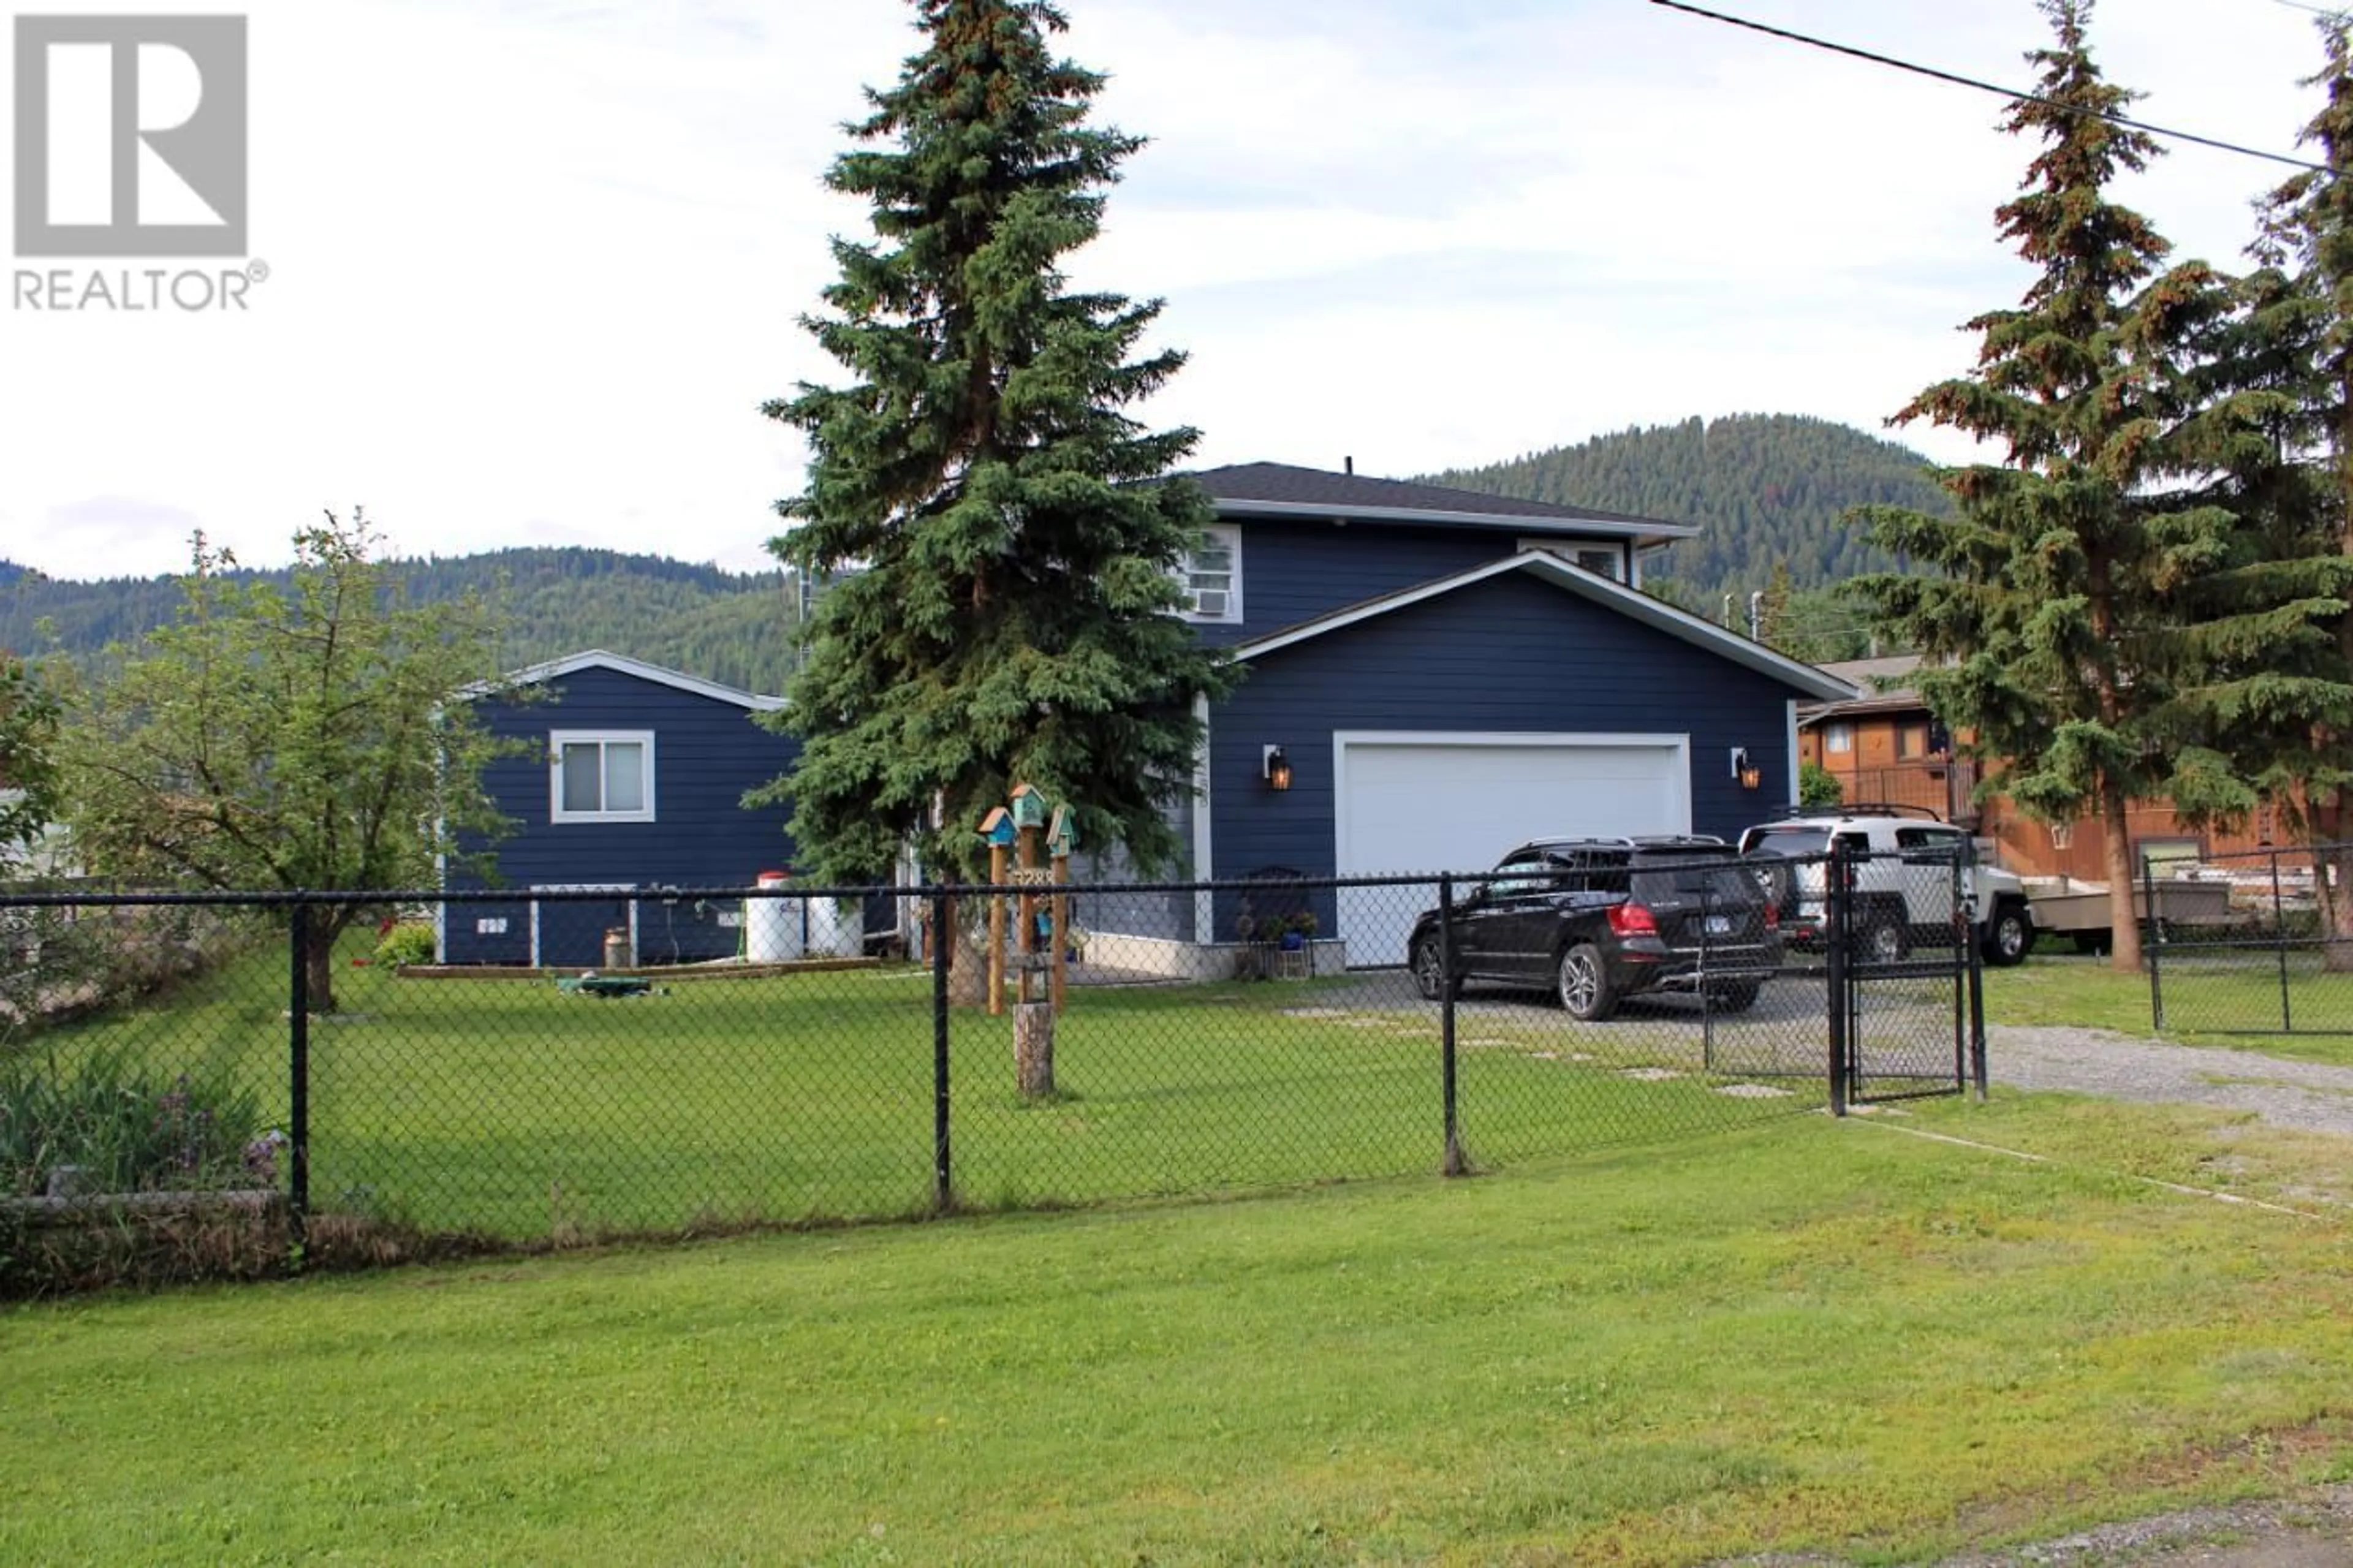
{"x":295,"y":739}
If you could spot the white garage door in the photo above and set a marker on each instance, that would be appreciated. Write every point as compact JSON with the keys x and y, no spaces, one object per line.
{"x":1415,"y":803}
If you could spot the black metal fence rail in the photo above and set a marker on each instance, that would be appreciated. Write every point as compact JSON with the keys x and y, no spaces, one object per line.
{"x":1145,"y":1039}
{"x":2244,"y":944}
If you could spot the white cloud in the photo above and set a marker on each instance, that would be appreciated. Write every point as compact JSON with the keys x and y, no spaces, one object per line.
{"x":536,"y":265}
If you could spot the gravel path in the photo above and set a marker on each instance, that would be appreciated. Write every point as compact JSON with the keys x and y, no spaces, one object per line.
{"x":2308,"y":1095}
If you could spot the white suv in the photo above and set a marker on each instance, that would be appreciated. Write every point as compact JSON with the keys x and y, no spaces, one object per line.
{"x":1898,"y":900}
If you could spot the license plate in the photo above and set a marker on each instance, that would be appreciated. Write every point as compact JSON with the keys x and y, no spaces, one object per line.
{"x":1719,"y":925}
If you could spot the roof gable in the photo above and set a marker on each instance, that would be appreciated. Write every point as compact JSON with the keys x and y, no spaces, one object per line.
{"x":1801,"y":677}
{"x":1281,"y":490}
{"x":621,"y":663}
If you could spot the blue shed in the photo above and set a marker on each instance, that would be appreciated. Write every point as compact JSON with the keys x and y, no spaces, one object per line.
{"x":633,"y":785}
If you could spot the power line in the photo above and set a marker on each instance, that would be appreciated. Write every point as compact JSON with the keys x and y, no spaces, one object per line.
{"x":2008,"y":92}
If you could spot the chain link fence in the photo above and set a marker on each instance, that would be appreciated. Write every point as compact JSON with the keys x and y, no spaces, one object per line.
{"x":378,"y":1076}
{"x":2242,"y":945}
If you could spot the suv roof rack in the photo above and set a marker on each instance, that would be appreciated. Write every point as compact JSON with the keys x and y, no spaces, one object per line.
{"x":1678,"y":841}
{"x":1855,"y":808}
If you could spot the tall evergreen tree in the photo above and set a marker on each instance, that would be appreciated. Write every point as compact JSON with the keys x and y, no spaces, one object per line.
{"x":1017,"y":529}
{"x":2295,"y":342}
{"x":2092,"y":617}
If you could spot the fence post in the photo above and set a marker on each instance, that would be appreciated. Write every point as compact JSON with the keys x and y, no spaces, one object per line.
{"x":1973,"y":957}
{"x":298,"y":1107}
{"x":1455,"y":1165}
{"x":943,"y":949}
{"x":2148,"y":948}
{"x":2279,"y":934}
{"x":1838,"y":917}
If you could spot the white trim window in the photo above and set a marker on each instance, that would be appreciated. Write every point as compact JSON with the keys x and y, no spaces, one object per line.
{"x":1603,"y":558}
{"x":600,"y":776}
{"x":1211,"y":577}
{"x":1837,"y":738}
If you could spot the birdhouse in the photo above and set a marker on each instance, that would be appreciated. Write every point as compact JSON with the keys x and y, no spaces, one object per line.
{"x":1029,"y":807}
{"x":1061,"y":834}
{"x":998,"y":826}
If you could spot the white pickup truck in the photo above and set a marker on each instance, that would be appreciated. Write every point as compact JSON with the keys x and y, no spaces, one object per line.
{"x":1900,"y":896}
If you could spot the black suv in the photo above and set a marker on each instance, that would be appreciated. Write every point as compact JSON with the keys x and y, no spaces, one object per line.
{"x":1599,"y":919}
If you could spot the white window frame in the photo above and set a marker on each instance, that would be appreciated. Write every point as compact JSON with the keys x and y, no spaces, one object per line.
{"x":1231,"y":538}
{"x":1568,"y":549}
{"x":557,"y":740}
{"x":1837,"y":738}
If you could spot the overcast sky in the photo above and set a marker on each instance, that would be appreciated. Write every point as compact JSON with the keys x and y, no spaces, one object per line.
{"x":535,"y":264}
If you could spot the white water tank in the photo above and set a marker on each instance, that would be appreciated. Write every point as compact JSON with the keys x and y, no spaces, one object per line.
{"x":835,"y":932}
{"x":772,"y":927}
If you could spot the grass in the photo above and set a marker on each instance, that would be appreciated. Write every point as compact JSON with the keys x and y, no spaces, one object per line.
{"x":2229,"y":1001}
{"x":1812,"y":1336}
{"x":504,"y":1107}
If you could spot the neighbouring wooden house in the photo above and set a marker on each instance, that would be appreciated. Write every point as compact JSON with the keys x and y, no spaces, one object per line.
{"x":633,"y":785}
{"x":1885,"y":745}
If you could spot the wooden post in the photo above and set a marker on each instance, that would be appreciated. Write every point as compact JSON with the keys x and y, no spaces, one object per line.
{"x":996,"y":933}
{"x":1028,"y":945}
{"x":1062,"y":955}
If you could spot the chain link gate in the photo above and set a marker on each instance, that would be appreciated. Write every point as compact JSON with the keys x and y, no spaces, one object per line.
{"x":1905,"y":976}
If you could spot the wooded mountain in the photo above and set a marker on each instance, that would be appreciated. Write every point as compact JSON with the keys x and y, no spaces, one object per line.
{"x":1768,"y":489}
{"x":728,"y":627}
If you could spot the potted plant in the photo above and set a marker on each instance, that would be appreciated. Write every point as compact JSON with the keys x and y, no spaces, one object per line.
{"x":1299,"y":930}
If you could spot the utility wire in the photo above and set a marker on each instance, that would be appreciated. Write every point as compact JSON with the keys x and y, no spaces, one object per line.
{"x":2008,"y":92}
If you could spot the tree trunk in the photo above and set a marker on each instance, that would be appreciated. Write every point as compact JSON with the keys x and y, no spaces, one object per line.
{"x":1033,"y":1049}
{"x":2123,"y":927}
{"x":968,"y":970}
{"x":2332,"y":885}
{"x":319,"y":961}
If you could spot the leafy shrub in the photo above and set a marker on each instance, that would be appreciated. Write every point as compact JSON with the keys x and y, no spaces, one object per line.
{"x":410,"y":942}
{"x":1817,"y":785}
{"x":128,"y":1128}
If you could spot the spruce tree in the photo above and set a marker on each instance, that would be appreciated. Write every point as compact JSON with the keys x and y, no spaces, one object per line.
{"x":1009,"y":534}
{"x":2088,"y":616}
{"x":2294,"y":341}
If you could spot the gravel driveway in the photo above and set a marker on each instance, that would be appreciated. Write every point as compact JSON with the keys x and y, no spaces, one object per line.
{"x":2308,"y":1095}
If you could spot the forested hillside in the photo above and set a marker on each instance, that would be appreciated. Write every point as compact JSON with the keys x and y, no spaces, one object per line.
{"x":1770,"y":488}
{"x":730,"y":626}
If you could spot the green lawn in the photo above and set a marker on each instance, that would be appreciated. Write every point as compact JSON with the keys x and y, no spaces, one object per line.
{"x":1812,"y":1336}
{"x":507,"y":1108}
{"x":2230,"y":1001}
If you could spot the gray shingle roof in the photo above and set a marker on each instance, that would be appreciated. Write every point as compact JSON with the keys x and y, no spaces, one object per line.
{"x":1287,"y":485}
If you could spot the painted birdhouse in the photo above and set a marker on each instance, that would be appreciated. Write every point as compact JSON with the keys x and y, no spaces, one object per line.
{"x":1029,"y":807}
{"x":1061,"y":834}
{"x":998,"y":826}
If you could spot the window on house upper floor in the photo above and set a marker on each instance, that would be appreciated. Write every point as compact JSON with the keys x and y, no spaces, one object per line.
{"x":1601,"y":560}
{"x":1837,"y":738}
{"x":601,"y":775}
{"x":1211,"y":577}
{"x":1911,"y":741}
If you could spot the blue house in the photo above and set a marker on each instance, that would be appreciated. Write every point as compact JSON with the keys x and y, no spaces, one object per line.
{"x":633,"y":785}
{"x":1436,"y":675}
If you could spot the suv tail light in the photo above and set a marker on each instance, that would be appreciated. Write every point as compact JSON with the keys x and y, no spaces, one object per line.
{"x":1772,"y":915}
{"x":1631,"y":919}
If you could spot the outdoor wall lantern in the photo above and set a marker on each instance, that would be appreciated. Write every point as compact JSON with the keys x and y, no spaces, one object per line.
{"x":1749,"y":774}
{"x":1275,"y":768}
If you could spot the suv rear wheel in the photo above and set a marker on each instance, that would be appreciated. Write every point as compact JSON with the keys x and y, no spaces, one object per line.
{"x":1429,"y":973}
{"x":1881,"y":939}
{"x":1584,"y":984}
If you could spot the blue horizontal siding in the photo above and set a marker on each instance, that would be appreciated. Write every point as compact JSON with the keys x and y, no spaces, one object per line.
{"x":1295,"y":572}
{"x":1511,"y":655}
{"x":707,"y":753}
